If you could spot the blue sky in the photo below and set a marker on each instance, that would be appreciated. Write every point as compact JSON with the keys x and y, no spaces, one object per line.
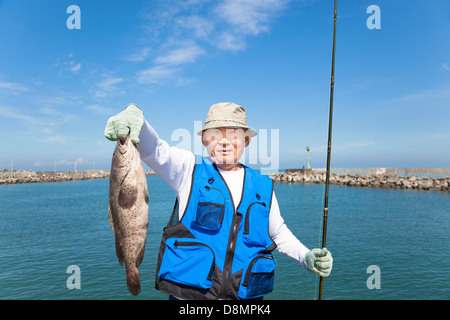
{"x":175,"y":59}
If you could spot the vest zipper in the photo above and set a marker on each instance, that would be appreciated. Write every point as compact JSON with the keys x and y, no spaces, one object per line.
{"x":232,"y":239}
{"x":209,"y":188}
{"x":230,"y":253}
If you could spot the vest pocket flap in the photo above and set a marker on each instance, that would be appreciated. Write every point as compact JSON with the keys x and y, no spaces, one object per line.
{"x":256,"y":224}
{"x":188,"y":261}
{"x":258,"y":278}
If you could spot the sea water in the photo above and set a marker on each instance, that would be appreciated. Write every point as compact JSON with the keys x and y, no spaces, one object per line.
{"x":386,"y":244}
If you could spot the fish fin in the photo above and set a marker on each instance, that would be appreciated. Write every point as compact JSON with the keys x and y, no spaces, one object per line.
{"x":119,"y":252}
{"x":140,"y":255}
{"x":146,"y":196}
{"x":127,"y":196}
{"x":133,"y":281}
{"x":110,"y":216}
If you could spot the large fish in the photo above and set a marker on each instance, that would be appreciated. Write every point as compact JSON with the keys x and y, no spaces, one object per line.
{"x":128,"y":209}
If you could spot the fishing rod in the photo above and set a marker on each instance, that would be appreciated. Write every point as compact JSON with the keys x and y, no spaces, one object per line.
{"x":330,"y":123}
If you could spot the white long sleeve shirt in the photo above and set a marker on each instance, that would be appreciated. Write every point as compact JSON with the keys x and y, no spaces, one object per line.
{"x":175,"y":167}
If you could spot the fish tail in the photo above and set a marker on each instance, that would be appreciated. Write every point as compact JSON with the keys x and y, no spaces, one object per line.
{"x":133,"y":282}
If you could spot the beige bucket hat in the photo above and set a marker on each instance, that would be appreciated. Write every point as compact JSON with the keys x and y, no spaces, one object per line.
{"x":226,"y":114}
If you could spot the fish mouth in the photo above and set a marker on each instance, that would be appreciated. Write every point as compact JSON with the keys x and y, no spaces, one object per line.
{"x":122,"y":145}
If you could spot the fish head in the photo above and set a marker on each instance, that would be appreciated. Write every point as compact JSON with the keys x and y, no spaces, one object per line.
{"x":123,"y":153}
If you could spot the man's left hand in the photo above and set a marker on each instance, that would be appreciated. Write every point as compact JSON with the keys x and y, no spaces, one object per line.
{"x":319,"y":261}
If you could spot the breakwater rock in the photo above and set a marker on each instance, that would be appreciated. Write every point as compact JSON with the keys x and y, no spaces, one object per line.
{"x":21,"y":176}
{"x":374,"y":181}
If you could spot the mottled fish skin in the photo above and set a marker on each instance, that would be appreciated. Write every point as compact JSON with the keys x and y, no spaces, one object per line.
{"x":128,"y":209}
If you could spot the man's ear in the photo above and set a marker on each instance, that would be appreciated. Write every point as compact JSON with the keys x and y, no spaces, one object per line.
{"x":203,"y":141}
{"x":247,"y":140}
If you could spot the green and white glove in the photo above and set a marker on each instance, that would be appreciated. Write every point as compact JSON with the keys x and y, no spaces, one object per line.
{"x":319,"y":261}
{"x":128,"y":122}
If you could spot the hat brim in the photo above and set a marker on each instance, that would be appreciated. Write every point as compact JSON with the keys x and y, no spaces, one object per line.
{"x":250,"y":130}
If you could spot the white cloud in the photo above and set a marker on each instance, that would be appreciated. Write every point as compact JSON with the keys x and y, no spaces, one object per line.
{"x":107,"y":87}
{"x":138,"y":56}
{"x":445,"y":66}
{"x":427,"y":136}
{"x":76,"y":68}
{"x":182,"y":55}
{"x":230,"y":42}
{"x":351,"y":145}
{"x":14,"y":113}
{"x":11,"y":87}
{"x":64,"y":162}
{"x":81,"y":161}
{"x":68,"y":65}
{"x":156,"y":74}
{"x":46,"y":130}
{"x":198,"y":26}
{"x":186,"y":30}
{"x":442,"y":92}
{"x":57,"y":138}
{"x":46,"y":117}
{"x":250,"y":16}
{"x":100,"y":109}
{"x":167,"y":66}
{"x":355,"y":145}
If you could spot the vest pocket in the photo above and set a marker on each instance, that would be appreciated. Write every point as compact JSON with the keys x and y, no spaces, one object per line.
{"x":256,"y":224}
{"x":258,"y":278}
{"x":210,"y":209}
{"x":209,"y":216}
{"x":188,"y":261}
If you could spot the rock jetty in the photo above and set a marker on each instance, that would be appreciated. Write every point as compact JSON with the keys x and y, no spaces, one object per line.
{"x":22,"y":176}
{"x":374,"y":181}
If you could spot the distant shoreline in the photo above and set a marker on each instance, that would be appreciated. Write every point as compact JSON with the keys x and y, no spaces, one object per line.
{"x":22,"y":176}
{"x":374,"y":179}
{"x":364,"y":178}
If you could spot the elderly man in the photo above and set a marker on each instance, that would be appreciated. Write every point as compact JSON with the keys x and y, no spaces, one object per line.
{"x":226,"y":220}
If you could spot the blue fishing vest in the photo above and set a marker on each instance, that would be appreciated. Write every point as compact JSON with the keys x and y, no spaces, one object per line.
{"x":215,"y":251}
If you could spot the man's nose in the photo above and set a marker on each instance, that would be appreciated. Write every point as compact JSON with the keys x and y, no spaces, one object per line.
{"x":224,"y":141}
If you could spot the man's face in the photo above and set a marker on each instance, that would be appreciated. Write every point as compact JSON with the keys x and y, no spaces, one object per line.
{"x":225,"y":146}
